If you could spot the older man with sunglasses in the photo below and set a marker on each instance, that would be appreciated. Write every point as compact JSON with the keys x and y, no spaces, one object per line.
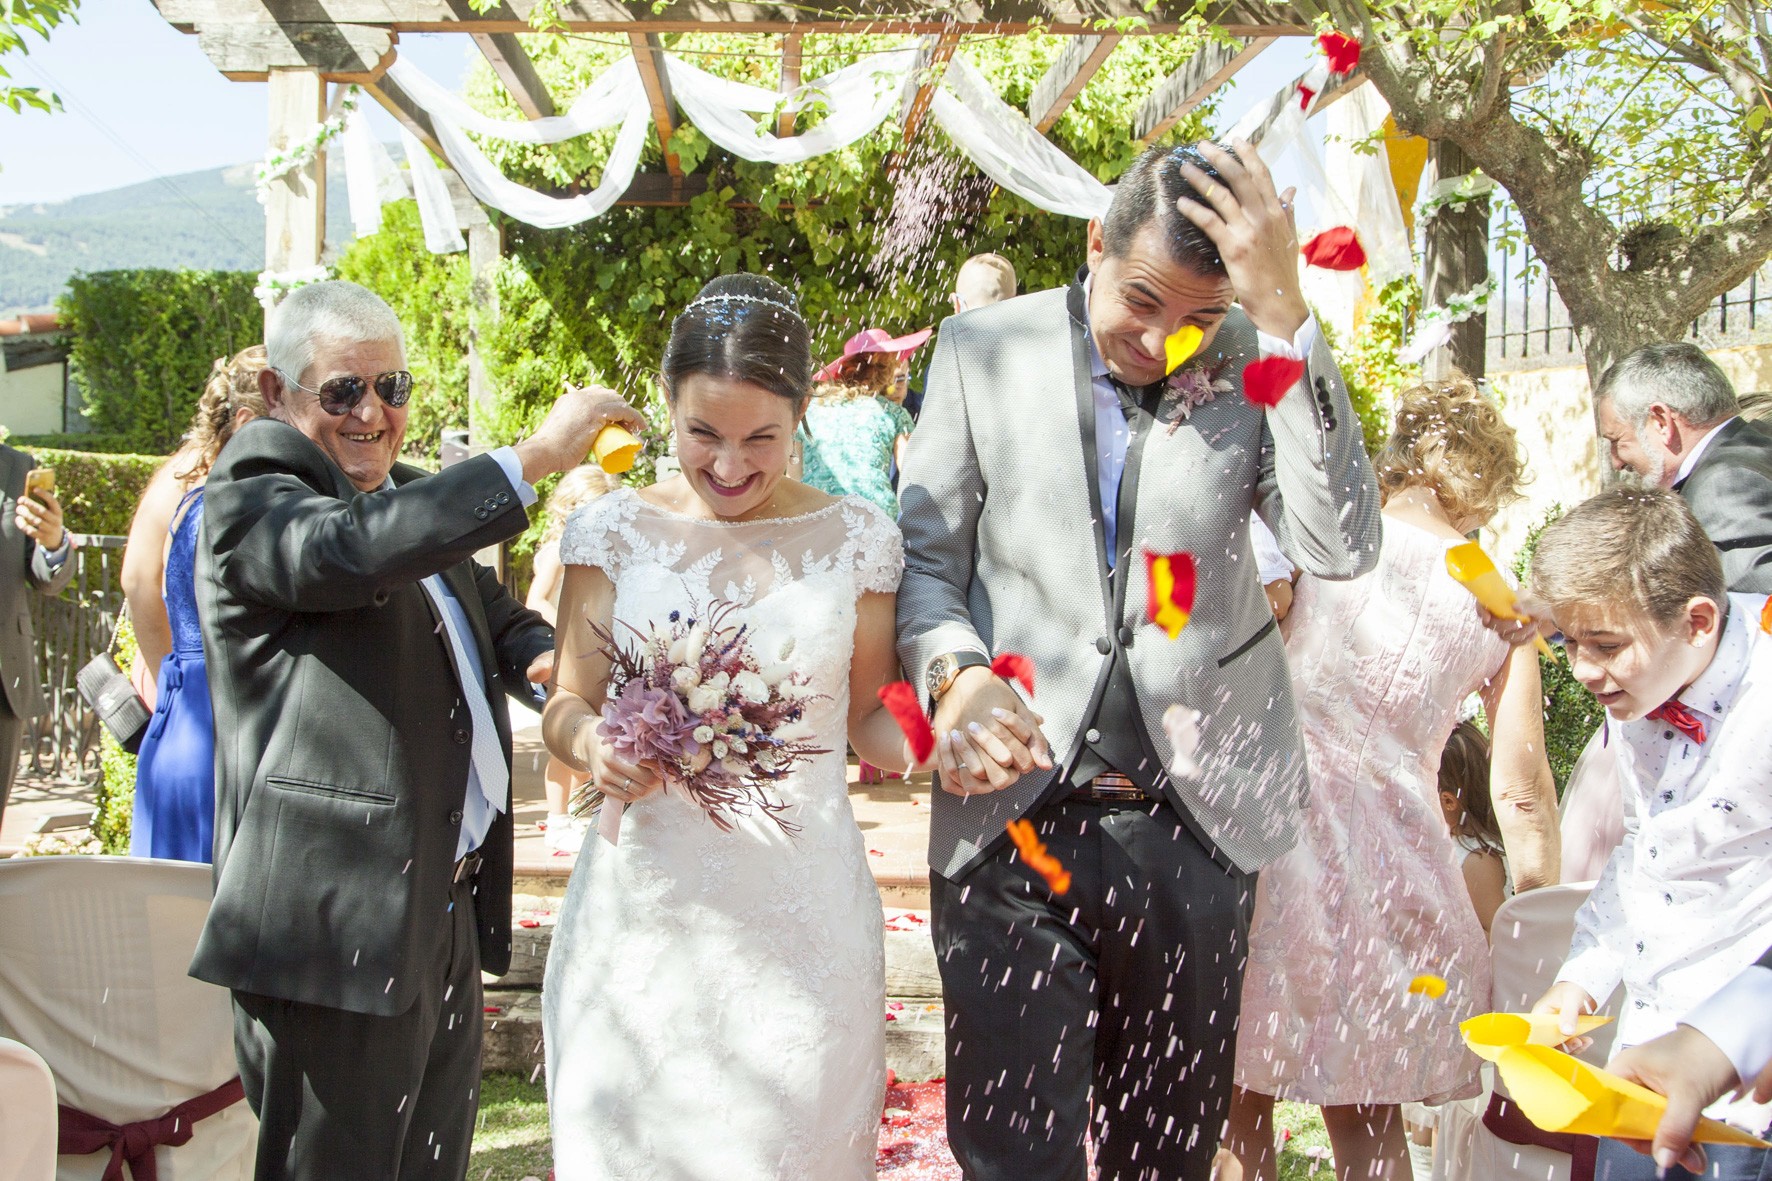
{"x":357,"y":656}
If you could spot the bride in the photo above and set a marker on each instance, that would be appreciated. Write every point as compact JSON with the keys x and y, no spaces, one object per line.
{"x":714,"y":1002}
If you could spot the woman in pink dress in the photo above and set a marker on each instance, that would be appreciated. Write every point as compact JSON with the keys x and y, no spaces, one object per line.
{"x":1373,"y":895}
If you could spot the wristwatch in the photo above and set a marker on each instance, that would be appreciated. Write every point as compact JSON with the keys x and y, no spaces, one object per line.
{"x":943,"y":670}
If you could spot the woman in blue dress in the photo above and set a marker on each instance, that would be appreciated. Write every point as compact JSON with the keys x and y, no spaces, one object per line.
{"x":174,"y":813}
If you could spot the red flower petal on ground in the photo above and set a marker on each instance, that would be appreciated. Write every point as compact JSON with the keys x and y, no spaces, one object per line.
{"x":1337,"y":249}
{"x":1342,"y":51}
{"x":1268,"y":380}
{"x":1012,"y":666}
{"x":901,"y":702}
{"x":1305,"y":94}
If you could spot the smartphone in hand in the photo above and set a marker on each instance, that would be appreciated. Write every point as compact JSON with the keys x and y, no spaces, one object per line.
{"x":39,"y":480}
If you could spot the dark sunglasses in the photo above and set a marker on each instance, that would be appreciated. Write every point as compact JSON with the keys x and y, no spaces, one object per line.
{"x":340,"y":395}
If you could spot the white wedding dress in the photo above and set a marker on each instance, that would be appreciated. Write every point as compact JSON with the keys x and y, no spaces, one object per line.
{"x":714,"y":1002}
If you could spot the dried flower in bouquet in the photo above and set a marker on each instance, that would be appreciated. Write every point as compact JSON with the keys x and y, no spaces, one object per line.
{"x":694,"y":699}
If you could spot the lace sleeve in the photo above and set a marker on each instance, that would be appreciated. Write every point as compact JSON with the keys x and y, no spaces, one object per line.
{"x":592,"y":536}
{"x":878,"y":548}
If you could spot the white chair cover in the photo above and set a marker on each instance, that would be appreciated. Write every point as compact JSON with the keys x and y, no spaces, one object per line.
{"x":1529,"y":938}
{"x":27,"y":1114}
{"x":93,"y":959}
{"x":1592,"y":814}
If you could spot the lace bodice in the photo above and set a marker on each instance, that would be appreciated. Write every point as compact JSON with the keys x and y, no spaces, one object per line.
{"x":728,"y":982}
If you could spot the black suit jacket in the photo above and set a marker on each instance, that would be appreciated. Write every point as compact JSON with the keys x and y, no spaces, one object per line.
{"x":22,"y":565}
{"x":342,"y":740}
{"x":1730,"y":492}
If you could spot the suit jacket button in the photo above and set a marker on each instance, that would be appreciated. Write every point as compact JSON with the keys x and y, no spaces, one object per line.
{"x":481,"y":513}
{"x":380,"y":598}
{"x":504,"y":498}
{"x":455,"y":816}
{"x":1104,"y":645}
{"x":1092,"y":735}
{"x":461,"y":737}
{"x":1125,"y":635}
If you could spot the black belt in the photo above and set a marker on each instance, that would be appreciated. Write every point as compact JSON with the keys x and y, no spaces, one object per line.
{"x":466,"y":868}
{"x":1110,"y":787}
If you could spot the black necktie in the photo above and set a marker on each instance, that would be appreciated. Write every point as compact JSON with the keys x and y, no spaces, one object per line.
{"x":1134,"y":398}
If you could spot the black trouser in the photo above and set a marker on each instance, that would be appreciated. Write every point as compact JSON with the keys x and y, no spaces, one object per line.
{"x":347,"y":1095}
{"x":1116,"y":1002}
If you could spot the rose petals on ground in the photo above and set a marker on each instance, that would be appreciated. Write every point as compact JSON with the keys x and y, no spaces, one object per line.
{"x":1336,"y":249}
{"x":1171,"y":579}
{"x":901,"y":702}
{"x":1013,"y":666}
{"x":1268,"y":380}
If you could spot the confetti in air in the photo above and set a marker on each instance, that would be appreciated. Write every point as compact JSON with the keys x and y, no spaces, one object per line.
{"x":1171,"y":591}
{"x":1766,"y":617}
{"x":1336,"y":249}
{"x":1182,"y":726}
{"x":1183,"y":343}
{"x":1431,"y":987}
{"x":1033,"y":851}
{"x":1013,"y":666}
{"x":901,"y":702}
{"x":1268,"y":380}
{"x":1342,"y":51}
{"x":1305,"y":94}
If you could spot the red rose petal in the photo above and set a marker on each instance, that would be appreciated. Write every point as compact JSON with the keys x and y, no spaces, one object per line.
{"x":1305,"y":94}
{"x":1336,"y":249}
{"x":1342,"y":51}
{"x":527,"y":923}
{"x":1266,"y":381}
{"x":901,"y":702}
{"x":1012,"y":666}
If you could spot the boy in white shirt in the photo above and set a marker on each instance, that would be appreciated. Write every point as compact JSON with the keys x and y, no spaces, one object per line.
{"x":1683,"y":670}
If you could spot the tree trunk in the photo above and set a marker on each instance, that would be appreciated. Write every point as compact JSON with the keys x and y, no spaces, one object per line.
{"x":1456,"y":261}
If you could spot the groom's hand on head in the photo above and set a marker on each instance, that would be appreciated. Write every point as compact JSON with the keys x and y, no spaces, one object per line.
{"x":986,"y":737}
{"x":1252,"y":226}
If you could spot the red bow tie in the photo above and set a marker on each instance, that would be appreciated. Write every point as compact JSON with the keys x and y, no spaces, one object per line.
{"x":1680,"y":718}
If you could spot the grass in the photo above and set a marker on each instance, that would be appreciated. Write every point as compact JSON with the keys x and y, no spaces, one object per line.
{"x":512,"y":1143}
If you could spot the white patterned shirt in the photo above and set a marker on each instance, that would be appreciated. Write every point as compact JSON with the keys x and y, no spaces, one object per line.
{"x":1685,"y":902}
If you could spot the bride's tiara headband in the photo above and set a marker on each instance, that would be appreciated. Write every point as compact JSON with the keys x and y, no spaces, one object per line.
{"x":739,"y":298}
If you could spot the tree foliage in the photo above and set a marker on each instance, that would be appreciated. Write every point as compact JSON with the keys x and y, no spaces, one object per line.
{"x":142,"y":343}
{"x":17,"y":18}
{"x":1634,"y":137}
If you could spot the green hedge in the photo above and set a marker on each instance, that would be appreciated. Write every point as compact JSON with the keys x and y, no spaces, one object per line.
{"x":98,"y":491}
{"x":1571,"y":713}
{"x":142,"y":343}
{"x":84,"y":441}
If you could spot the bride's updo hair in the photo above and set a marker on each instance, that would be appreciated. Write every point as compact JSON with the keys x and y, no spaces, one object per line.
{"x":743,"y":328}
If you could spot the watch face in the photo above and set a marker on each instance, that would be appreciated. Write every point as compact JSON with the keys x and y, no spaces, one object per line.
{"x":935,"y":679}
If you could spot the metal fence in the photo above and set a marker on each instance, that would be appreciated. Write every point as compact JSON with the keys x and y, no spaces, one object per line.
{"x":71,"y":628}
{"x":1529,"y":328}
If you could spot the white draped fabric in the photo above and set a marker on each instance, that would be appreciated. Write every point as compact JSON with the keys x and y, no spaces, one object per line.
{"x":1008,"y":149}
{"x":436,"y":212}
{"x":371,"y":179}
{"x":856,"y":98}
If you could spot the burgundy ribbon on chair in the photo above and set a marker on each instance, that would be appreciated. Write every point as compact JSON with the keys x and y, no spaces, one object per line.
{"x":1507,"y":1122}
{"x":81,"y":1133}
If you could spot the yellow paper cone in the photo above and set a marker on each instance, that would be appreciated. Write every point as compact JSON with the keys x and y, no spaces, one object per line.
{"x":1488,"y":1034}
{"x":1183,"y":344}
{"x":614,"y":449}
{"x":1472,"y":567}
{"x":1563,"y":1094}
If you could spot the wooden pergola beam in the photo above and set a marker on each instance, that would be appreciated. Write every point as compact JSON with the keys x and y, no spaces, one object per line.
{"x":341,"y":53}
{"x":1065,"y":79}
{"x":1191,"y":84}
{"x":790,"y":78}
{"x":649,"y":56}
{"x":505,"y":54}
{"x":396,"y":102}
{"x":1244,"y":18}
{"x":932,"y":62}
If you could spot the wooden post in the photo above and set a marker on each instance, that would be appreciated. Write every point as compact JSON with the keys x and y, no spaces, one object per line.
{"x":790,"y":78}
{"x":1455,"y":261}
{"x":295,"y":211}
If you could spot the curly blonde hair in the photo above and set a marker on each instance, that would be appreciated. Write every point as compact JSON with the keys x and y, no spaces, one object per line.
{"x":232,"y":387}
{"x":576,"y":489}
{"x":860,"y":375}
{"x":1451,"y":439}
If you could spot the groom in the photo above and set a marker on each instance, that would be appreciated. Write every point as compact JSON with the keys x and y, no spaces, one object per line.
{"x":1051,"y":457}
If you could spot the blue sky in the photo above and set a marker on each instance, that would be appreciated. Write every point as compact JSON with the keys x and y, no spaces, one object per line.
{"x":143,"y":101}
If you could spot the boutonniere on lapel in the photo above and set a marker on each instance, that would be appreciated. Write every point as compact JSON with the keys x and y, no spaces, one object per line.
{"x":1190,"y":387}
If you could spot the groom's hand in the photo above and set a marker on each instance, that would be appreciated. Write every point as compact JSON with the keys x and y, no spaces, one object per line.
{"x":1252,"y":227}
{"x":986,"y":737}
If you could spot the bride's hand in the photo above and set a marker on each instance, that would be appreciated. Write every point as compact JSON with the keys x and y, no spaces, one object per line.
{"x":617,"y":778}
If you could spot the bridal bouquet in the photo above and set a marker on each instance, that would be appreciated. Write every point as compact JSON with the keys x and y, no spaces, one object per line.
{"x":696,"y":700}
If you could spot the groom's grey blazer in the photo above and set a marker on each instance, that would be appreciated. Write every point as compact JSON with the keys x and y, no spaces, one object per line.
{"x":1004,"y":552}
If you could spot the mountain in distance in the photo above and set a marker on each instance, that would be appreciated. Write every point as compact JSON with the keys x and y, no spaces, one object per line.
{"x":208,"y":220}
